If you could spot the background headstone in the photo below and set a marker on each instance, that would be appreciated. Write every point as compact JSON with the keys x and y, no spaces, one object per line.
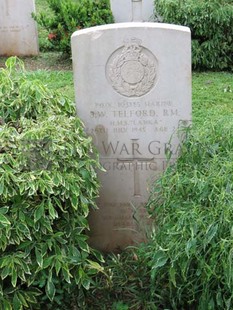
{"x":18,"y":31}
{"x":133,"y":90}
{"x":132,"y":10}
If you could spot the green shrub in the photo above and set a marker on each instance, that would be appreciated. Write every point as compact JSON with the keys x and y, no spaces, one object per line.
{"x":126,"y":284}
{"x":47,"y":185}
{"x":188,"y":262}
{"x":72,"y":15}
{"x":190,"y":255}
{"x":211,"y":24}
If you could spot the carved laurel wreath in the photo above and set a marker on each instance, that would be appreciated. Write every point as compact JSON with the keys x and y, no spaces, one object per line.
{"x":142,"y":75}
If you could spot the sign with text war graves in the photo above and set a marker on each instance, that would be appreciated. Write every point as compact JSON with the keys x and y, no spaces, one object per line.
{"x":133,"y":91}
{"x":18,"y":31}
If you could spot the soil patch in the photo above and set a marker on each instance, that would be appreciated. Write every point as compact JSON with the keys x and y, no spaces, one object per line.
{"x":44,"y":61}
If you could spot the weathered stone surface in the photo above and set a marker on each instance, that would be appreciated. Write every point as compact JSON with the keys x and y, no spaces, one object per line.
{"x":133,"y":90}
{"x":18,"y":32}
{"x":132,"y":10}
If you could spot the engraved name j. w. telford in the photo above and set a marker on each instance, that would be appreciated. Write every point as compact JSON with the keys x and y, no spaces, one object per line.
{"x":132,"y":69}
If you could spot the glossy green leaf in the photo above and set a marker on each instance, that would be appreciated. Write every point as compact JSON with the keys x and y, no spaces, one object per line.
{"x":52,"y":211}
{"x":14,"y":277}
{"x":95,"y":265}
{"x":7,"y":305}
{"x":39,"y":212}
{"x":159,"y":260}
{"x":50,"y":289}
{"x":3,"y":220}
{"x":5,"y":272}
{"x":17,"y":304}
{"x":4,"y":210}
{"x":39,"y":257}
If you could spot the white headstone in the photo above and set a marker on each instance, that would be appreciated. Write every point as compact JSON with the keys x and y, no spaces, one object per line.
{"x":18,"y":32}
{"x":132,"y":10}
{"x":133,"y":90}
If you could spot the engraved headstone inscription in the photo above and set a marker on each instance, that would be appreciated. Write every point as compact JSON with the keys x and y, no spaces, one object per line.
{"x":18,"y":31}
{"x":133,"y":90}
{"x":132,"y":10}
